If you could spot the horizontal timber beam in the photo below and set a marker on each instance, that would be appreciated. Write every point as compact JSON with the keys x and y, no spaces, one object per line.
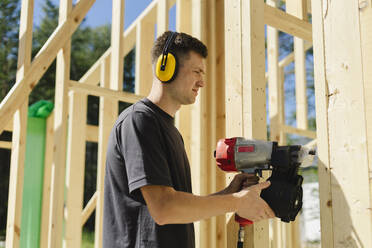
{"x":302,"y":132}
{"x":99,"y":91}
{"x":42,"y":61}
{"x":6,"y":144}
{"x":290,"y":57}
{"x":91,"y":136}
{"x":287,"y":23}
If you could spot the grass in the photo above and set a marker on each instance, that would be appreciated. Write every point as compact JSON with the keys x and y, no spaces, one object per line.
{"x":87,"y":240}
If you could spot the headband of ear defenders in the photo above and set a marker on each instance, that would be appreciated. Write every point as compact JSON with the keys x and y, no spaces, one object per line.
{"x":166,"y":66}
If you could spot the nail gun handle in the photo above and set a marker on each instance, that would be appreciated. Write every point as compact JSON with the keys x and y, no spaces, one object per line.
{"x":242,"y":221}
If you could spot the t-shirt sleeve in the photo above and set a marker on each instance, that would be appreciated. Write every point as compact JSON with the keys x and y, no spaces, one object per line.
{"x":144,"y":152}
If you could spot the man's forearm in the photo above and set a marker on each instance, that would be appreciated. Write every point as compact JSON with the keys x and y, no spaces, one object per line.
{"x":171,"y":207}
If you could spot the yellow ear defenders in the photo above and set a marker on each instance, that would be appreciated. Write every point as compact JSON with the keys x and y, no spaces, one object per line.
{"x":166,"y":66}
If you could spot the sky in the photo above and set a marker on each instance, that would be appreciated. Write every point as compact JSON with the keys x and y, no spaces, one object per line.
{"x":100,"y":13}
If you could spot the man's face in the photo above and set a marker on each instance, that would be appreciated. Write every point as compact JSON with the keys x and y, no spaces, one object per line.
{"x":189,"y":80}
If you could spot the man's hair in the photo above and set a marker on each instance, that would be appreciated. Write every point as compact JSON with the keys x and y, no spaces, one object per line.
{"x":182,"y":45}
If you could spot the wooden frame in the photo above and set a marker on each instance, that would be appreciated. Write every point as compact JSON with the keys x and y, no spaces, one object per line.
{"x":203,"y":123}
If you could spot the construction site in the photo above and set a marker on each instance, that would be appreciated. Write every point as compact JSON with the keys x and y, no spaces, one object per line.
{"x":244,"y":96}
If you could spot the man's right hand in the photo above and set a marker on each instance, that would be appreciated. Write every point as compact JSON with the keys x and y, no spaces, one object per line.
{"x":251,"y":206}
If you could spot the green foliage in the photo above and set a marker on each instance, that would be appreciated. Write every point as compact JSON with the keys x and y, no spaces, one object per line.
{"x":9,"y":26}
{"x":87,"y":240}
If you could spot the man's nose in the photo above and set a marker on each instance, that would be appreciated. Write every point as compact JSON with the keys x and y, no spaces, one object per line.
{"x":200,"y":83}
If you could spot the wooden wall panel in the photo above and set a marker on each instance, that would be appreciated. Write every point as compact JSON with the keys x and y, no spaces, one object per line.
{"x":340,"y":96}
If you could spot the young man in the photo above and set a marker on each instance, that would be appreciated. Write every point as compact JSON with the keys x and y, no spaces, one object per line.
{"x":148,"y":197}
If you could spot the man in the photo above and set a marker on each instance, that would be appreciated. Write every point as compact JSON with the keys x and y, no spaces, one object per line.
{"x":148,"y":199}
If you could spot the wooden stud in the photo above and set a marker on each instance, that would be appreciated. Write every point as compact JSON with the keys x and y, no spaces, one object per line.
{"x":276,"y":112}
{"x":342,"y":122}
{"x":366,"y":43}
{"x":254,"y":93}
{"x":19,"y":129}
{"x":75,"y":169}
{"x":117,"y":43}
{"x":287,"y":23}
{"x":183,"y":116}
{"x":273,"y":79}
{"x":60,"y":130}
{"x":198,"y":127}
{"x":114,"y":81}
{"x":16,"y":177}
{"x":282,"y":134}
{"x":219,"y":102}
{"x":298,"y":9}
{"x":211,"y":112}
{"x":245,"y":33}
{"x":162,"y":17}
{"x":48,"y":160}
{"x":42,"y":61}
{"x":145,"y":41}
{"x":321,"y":93}
{"x":234,"y":91}
{"x":107,"y":119}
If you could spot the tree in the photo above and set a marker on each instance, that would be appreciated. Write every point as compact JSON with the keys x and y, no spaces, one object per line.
{"x":9,"y":26}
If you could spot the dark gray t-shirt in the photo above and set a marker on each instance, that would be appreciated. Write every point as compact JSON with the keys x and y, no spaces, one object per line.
{"x":144,"y":148}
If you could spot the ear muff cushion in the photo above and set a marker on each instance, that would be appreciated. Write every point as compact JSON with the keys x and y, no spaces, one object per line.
{"x":170,"y":68}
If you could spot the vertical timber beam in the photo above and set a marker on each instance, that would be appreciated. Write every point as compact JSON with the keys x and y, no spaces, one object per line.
{"x":298,"y":8}
{"x":162,"y":17}
{"x":342,"y":37}
{"x":210,"y":89}
{"x":254,"y":95}
{"x":321,"y":101}
{"x":75,"y":168}
{"x":276,"y":111}
{"x":145,"y":40}
{"x":60,"y":130}
{"x":219,"y":102}
{"x":183,"y":116}
{"x":198,"y":128}
{"x":117,"y":44}
{"x":245,"y":90}
{"x":19,"y":130}
{"x":366,"y":42}
{"x":116,"y":83}
{"x":107,"y":119}
{"x":234,"y":91}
